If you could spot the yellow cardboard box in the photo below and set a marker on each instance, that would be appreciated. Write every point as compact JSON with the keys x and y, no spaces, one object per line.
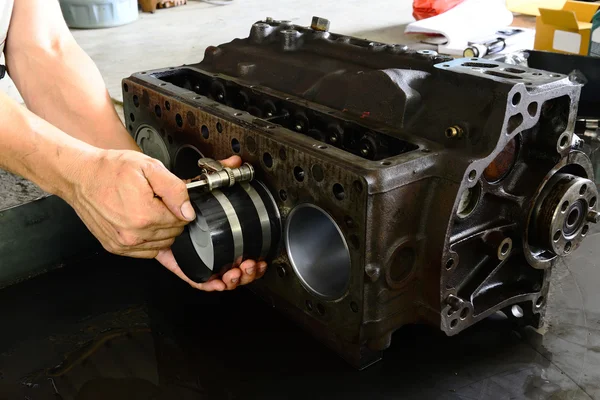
{"x":566,"y":30}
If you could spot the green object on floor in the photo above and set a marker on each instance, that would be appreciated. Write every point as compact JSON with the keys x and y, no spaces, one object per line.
{"x":594,"y":49}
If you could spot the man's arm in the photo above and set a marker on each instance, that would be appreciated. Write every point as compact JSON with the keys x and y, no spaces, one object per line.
{"x":57,"y":80}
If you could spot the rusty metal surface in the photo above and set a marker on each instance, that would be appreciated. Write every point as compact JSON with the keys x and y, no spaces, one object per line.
{"x":400,"y":140}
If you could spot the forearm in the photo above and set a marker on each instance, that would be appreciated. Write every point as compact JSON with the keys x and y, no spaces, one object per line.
{"x":65,"y":88}
{"x":57,"y":80}
{"x":38,"y":151}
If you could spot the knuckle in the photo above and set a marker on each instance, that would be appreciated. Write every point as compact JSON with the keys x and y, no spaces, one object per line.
{"x":128,"y":240}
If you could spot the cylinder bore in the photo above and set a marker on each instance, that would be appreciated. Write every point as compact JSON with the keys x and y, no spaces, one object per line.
{"x":232,"y":224}
{"x":186,"y":162}
{"x":153,"y":145}
{"x":318,"y":251}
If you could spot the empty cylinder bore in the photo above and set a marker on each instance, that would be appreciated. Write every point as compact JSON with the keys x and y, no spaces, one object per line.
{"x":231,"y":225}
{"x":318,"y":251}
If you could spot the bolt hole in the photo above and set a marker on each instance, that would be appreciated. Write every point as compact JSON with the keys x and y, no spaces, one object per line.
{"x":167,"y":105}
{"x":320,"y":309}
{"x":198,"y":98}
{"x":358,"y":188}
{"x":464,"y":313}
{"x":539,"y":301}
{"x":238,"y":114}
{"x":563,"y":141}
{"x":516,"y":99}
{"x":517,"y":311}
{"x":170,"y":139}
{"x":386,"y":163}
{"x":130,"y":128}
{"x":157,"y":111}
{"x":299,"y":174}
{"x":585,"y":230}
{"x":564,"y":206}
{"x":309,"y":305}
{"x":450,"y":263}
{"x":235,"y":145}
{"x":283,"y":195}
{"x":583,"y":189}
{"x":355,"y":241}
{"x":338,"y":191}
{"x":446,"y":65}
{"x":282,"y":154}
{"x":349,"y":222}
{"x":568,"y":247}
{"x":179,"y":120}
{"x":204,"y":131}
{"x":354,"y":307}
{"x":453,"y":323}
{"x":219,"y":127}
{"x":321,"y":147}
{"x":268,"y":160}
{"x":472,"y":175}
{"x":557,"y":235}
{"x":162,"y":84}
{"x":281,"y":271}
{"x":592,"y":202}
{"x":451,"y":311}
{"x":136,"y":101}
{"x":317,"y":173}
{"x":504,"y":249}
{"x":132,"y":117}
{"x":125,"y":87}
{"x":532,"y":108}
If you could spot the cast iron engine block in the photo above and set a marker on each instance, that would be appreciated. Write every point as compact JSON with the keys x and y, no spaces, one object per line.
{"x":436,"y":190}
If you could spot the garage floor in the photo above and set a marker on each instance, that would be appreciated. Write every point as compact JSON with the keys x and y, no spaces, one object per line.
{"x":129,"y":330}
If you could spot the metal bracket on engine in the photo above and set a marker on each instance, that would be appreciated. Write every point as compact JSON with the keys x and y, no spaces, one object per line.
{"x":215,"y":175}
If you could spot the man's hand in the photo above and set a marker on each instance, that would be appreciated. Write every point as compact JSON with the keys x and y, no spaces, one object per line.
{"x":136,"y":208}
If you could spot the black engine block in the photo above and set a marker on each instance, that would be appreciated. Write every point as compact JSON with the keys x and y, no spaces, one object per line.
{"x":410,"y":187}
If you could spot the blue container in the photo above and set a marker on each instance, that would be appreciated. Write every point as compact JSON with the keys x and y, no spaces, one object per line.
{"x":88,"y":14}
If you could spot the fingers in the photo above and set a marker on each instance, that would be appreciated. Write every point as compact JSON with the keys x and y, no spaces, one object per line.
{"x":232,"y":162}
{"x":261,"y":269}
{"x":248,"y":269}
{"x":170,"y":189}
{"x":167,"y":259}
{"x":232,"y":278}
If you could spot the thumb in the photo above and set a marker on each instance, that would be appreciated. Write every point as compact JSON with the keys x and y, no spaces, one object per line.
{"x":171,"y":190}
{"x":232,"y":162}
{"x":167,"y":259}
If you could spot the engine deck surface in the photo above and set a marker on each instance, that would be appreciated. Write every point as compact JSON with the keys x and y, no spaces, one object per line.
{"x":190,"y":345}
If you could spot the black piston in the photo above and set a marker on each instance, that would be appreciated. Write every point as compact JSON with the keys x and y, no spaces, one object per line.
{"x":232,"y":224}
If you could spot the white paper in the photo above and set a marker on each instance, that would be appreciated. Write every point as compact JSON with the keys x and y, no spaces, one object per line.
{"x":569,"y":42}
{"x":472,"y":18}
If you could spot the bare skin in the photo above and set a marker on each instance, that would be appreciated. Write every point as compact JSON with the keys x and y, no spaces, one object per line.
{"x":71,"y":142}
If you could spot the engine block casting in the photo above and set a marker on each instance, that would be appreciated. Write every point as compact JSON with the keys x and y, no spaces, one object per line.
{"x":409,"y":187}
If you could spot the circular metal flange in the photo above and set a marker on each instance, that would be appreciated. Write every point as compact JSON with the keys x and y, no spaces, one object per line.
{"x":561,"y":216}
{"x":153,"y":145}
{"x":318,"y":251}
{"x":232,"y":224}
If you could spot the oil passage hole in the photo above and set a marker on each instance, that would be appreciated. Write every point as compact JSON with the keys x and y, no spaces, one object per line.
{"x":450,"y":263}
{"x":464,"y":313}
{"x":157,"y":111}
{"x":472,"y":175}
{"x":349,"y":222}
{"x":219,"y":127}
{"x":283,"y":195}
{"x":281,"y":271}
{"x":563,"y":141}
{"x":299,"y":174}
{"x":516,"y":99}
{"x":167,"y":105}
{"x":132,"y":117}
{"x":235,"y":145}
{"x":557,"y":235}
{"x":204,"y":131}
{"x":583,"y":189}
{"x":564,"y":206}
{"x":539,"y":301}
{"x":532,"y":108}
{"x":268,"y":160}
{"x":504,"y":249}
{"x":568,"y":247}
{"x":338,"y":191}
{"x":136,"y":101}
{"x":179,"y":120}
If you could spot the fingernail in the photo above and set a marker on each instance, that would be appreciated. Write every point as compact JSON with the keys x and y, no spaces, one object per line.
{"x":188,"y":211}
{"x":250,"y":271}
{"x":262,"y":269}
{"x":234,"y":280}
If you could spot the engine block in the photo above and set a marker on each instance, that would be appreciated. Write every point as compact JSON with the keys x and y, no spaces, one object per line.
{"x":411,"y":187}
